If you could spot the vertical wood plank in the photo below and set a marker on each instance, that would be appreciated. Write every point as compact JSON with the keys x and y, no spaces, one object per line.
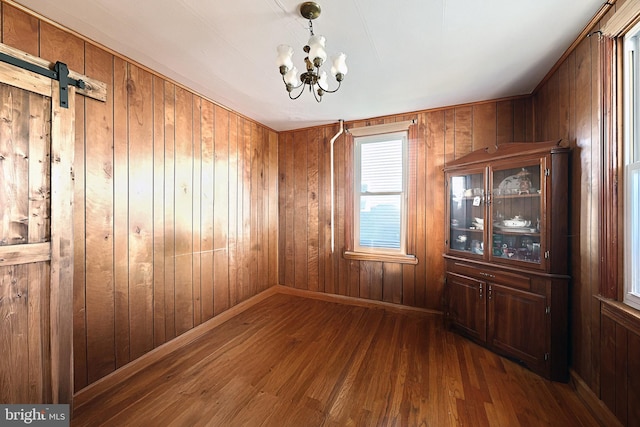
{"x":408,"y":271}
{"x":463,"y":131}
{"x":273,"y":209}
{"x":254,"y":266}
{"x":121,"y":212}
{"x":301,"y":212}
{"x":519,"y":121}
{"x":484,"y":125}
{"x":392,"y":282}
{"x":581,"y":202}
{"x":313,"y":231}
{"x":233,"y":209}
{"x":427,"y":138}
{"x":608,"y":363}
{"x":242,"y":275}
{"x":221,"y":213}
{"x":61,"y":325}
{"x":245,"y":285}
{"x":140,"y":208}
{"x":39,"y":225}
{"x":505,"y":122}
{"x":184,"y":211}
{"x":371,"y":280}
{"x":289,"y":207}
{"x":262,"y":212}
{"x":633,"y":385}
{"x":248,"y":275}
{"x":39,"y":383}
{"x":206,"y":215}
{"x":221,"y":290}
{"x":283,"y":182}
{"x":98,"y":307}
{"x":79,"y":225}
{"x":434,"y":199}
{"x":14,"y":336}
{"x":20,"y":30}
{"x":196,"y":126}
{"x":621,"y":375}
{"x":159,"y":303}
{"x":14,"y":168}
{"x":595,"y":224}
{"x":169,"y":209}
{"x":563,"y":103}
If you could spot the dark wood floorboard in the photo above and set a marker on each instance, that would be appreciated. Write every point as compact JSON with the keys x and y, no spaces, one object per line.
{"x":293,"y":361}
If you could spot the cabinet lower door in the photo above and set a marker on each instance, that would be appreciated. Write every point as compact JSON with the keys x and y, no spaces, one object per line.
{"x":466,"y":308}
{"x":517,"y":325}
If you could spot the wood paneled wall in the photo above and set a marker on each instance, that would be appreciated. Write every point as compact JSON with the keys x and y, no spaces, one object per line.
{"x":175,"y":214}
{"x":620,"y":372}
{"x":604,"y":337}
{"x":568,"y":106}
{"x":439,"y":136}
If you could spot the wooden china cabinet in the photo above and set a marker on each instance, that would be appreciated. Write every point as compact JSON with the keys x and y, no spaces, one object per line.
{"x":506,"y":256}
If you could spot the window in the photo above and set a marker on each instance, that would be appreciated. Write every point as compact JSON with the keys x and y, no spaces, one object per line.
{"x":380,"y":190}
{"x":632,"y":168}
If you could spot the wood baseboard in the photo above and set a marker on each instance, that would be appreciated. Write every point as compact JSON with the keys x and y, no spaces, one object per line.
{"x":359,"y":302}
{"x":595,"y":405}
{"x":104,"y":384}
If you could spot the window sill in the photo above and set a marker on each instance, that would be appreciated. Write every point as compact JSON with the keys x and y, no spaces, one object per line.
{"x":369,"y":256}
{"x":622,"y":313}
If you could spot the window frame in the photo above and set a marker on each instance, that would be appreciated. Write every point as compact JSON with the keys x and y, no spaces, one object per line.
{"x":403,"y":136}
{"x":631,"y":166}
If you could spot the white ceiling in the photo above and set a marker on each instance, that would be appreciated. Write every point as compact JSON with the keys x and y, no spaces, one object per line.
{"x":403,"y":55}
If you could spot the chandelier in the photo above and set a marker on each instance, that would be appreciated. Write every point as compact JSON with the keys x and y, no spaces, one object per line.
{"x":314,"y":78}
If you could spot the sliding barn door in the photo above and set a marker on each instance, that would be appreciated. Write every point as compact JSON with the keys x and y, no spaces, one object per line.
{"x":36,"y":236}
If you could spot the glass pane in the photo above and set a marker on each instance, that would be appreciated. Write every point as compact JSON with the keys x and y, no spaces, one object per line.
{"x":516,"y":214}
{"x":467,"y":213}
{"x":381,"y":166}
{"x":634,"y":232}
{"x":380,"y":221}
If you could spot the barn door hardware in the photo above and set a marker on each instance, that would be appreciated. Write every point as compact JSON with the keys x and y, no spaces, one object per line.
{"x":60,"y":73}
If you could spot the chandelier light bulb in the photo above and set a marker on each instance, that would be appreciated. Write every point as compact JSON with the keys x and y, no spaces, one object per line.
{"x":284,"y":58}
{"x":317,"y":52}
{"x":291,"y":77}
{"x":339,"y":65}
{"x":322,"y":80}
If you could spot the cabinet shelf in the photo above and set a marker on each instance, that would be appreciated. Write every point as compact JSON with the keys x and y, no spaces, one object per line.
{"x":515,"y":196}
{"x":517,"y":233}
{"x":470,"y":230}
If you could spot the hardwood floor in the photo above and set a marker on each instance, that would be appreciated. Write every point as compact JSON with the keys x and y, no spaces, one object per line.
{"x":294,"y":361}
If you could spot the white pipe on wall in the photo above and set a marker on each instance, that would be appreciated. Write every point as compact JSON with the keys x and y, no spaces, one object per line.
{"x":333,"y":238}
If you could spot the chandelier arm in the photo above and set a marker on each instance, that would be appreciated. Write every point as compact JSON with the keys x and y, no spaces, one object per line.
{"x":315,"y":95}
{"x":301,"y":85}
{"x":292,"y":87}
{"x":330,"y":91}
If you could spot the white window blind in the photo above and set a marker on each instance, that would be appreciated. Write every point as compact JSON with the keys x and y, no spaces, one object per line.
{"x":380,"y":193}
{"x":632,"y":168}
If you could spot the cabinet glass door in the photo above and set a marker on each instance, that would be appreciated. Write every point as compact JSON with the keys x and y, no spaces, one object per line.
{"x":467,"y":212}
{"x":516,"y":206}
